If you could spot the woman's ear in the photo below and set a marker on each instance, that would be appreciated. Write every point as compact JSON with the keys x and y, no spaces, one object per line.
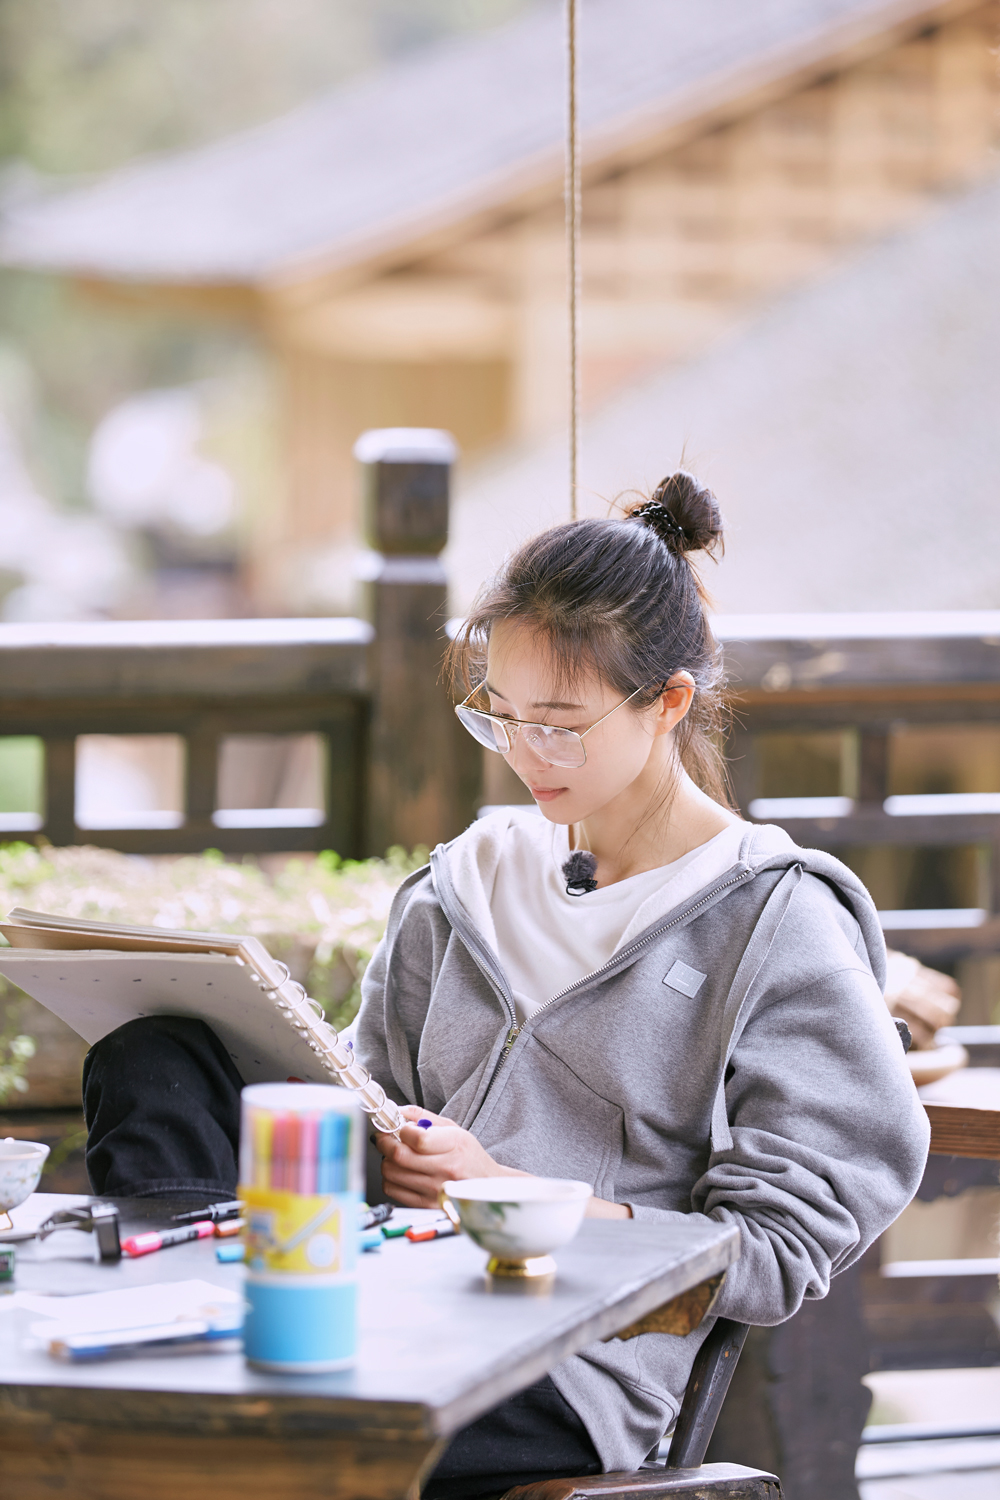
{"x":674,"y":702}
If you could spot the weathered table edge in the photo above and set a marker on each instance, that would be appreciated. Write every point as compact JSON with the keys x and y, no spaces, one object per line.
{"x":295,"y":1413}
{"x":960,"y":1130}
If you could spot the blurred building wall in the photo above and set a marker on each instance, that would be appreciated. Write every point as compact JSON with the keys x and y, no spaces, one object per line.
{"x":676,"y":248}
{"x":682,"y":236}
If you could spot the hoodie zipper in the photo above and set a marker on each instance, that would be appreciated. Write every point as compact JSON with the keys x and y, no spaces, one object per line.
{"x":517,"y":1028}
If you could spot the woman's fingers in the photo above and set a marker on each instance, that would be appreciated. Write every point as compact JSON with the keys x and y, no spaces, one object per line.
{"x":416,"y":1112}
{"x":412,"y":1141}
{"x":414,"y":1189}
{"x":437,"y":1141}
{"x":414,"y":1132}
{"x":417,"y":1182}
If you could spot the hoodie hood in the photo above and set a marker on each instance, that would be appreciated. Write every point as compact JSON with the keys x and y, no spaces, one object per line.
{"x":465,"y":869}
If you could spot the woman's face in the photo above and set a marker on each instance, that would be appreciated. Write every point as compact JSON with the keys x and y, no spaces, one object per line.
{"x":523,"y":683}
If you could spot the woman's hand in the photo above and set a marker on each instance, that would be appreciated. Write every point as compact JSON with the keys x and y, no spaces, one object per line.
{"x":419,"y":1161}
{"x":600,"y":1208}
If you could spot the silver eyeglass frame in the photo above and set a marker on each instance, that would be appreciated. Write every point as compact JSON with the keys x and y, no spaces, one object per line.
{"x":512,"y":727}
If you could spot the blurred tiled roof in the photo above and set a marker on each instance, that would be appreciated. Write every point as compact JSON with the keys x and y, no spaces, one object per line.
{"x":851,"y":433}
{"x":430,"y":140}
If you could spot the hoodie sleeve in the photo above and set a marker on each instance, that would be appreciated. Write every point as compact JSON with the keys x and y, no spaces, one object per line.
{"x":396,"y":989}
{"x":829,"y":1142}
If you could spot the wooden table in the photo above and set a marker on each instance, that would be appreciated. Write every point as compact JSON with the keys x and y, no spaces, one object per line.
{"x":964,"y":1111}
{"x":437,"y":1349}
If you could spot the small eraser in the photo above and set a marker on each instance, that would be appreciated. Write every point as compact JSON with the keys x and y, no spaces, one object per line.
{"x":425,"y":1124}
{"x":229,"y":1252}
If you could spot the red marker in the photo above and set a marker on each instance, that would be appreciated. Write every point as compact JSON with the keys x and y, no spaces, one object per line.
{"x":159,"y":1239}
{"x":436,"y":1232}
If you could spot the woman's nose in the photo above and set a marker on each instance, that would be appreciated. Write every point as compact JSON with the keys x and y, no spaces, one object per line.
{"x":530,"y":757}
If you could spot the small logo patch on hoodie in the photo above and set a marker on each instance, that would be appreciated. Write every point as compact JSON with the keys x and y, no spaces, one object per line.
{"x":682,"y":977}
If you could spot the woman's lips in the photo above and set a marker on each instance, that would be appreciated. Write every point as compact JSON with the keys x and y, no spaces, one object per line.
{"x":546,"y":793}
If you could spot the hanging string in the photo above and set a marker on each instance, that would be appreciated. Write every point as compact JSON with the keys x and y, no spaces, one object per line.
{"x":572,"y":201}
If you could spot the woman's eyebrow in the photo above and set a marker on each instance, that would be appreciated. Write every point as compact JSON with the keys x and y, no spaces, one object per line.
{"x":497,"y":694}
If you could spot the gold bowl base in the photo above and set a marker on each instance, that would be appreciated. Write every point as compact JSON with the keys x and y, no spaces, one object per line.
{"x":535,"y":1265}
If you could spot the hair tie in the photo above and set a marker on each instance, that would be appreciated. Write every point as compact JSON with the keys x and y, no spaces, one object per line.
{"x":660,"y":516}
{"x":579,"y":871}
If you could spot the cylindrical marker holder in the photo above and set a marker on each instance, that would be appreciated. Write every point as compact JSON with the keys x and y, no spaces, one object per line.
{"x":301,"y":1164}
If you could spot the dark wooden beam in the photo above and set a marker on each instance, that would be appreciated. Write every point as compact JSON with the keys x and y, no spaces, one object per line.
{"x":781,"y":654}
{"x":143,"y":660}
{"x":876,"y":827}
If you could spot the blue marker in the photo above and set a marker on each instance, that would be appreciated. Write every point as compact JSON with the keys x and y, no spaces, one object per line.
{"x":332,"y":1165}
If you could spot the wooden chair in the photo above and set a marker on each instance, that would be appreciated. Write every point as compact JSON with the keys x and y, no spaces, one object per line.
{"x":685,"y":1471}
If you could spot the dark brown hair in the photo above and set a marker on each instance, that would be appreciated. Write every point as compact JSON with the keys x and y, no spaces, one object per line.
{"x":619,"y":597}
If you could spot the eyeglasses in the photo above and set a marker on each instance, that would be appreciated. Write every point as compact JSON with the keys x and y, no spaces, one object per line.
{"x":560,"y":747}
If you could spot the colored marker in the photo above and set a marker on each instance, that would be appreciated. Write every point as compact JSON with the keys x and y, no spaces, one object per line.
{"x":334,"y":1141}
{"x":160,"y":1239}
{"x":230,"y":1228}
{"x":227,"y":1253}
{"x":436,"y":1232}
{"x":217,"y":1212}
{"x":263,"y":1133}
{"x":293,"y":1138}
{"x":393,"y":1231}
{"x":308,"y":1148}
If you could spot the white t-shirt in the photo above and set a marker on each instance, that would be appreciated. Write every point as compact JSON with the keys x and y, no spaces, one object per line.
{"x":548,"y":940}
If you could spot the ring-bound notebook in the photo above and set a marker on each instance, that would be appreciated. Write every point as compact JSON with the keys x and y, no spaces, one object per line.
{"x":95,"y":976}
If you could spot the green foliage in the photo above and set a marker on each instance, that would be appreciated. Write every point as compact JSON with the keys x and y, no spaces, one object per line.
{"x":16,"y":1050}
{"x":321,"y":916}
{"x":21,"y":773}
{"x":89,"y":85}
{"x":86,"y":85}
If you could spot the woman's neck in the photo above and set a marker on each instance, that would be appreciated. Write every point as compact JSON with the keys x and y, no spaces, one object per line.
{"x":655,"y":821}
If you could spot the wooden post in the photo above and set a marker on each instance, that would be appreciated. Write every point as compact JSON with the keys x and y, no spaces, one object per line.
{"x":60,"y":789}
{"x":873,"y":767}
{"x":422,"y":776}
{"x":202,"y":747}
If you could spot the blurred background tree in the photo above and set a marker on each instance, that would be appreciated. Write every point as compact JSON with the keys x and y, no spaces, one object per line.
{"x":89,"y":85}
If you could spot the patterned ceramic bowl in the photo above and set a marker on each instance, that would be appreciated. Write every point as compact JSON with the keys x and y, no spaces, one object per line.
{"x":519,"y":1220}
{"x":21,"y":1165}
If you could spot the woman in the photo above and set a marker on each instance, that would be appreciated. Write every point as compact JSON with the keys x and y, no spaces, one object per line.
{"x":635,"y":988}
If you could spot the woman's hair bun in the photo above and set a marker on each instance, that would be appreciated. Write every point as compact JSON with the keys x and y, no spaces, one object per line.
{"x":683,"y":513}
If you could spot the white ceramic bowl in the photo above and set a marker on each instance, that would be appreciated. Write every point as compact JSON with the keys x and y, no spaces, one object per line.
{"x":21,"y":1165}
{"x":519,"y":1218}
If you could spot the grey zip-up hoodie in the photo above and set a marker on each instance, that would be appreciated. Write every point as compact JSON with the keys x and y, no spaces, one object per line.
{"x":761,"y":1083}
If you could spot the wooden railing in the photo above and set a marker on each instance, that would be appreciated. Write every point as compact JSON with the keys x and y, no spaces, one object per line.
{"x":872,"y":677}
{"x":398,"y":767}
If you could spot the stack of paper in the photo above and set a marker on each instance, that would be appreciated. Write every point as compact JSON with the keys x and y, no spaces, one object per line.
{"x":168,"y":1316}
